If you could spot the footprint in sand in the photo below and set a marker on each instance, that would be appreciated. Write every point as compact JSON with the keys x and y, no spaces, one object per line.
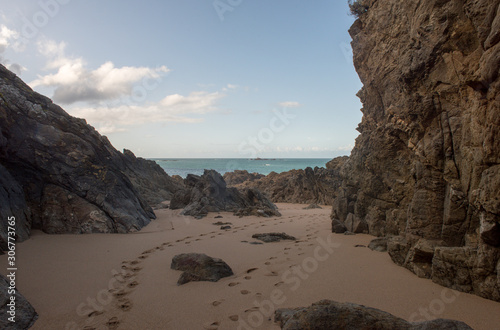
{"x":244,"y":292}
{"x":211,"y":326}
{"x":248,"y":277}
{"x":271,"y":274}
{"x":88,"y":327}
{"x":233,"y":284}
{"x":124,"y":304}
{"x":135,"y":262}
{"x":94,"y":313}
{"x":133,"y":284}
{"x":267,"y":263}
{"x":234,"y":318}
{"x":278,"y":284}
{"x":251,"y":270}
{"x":216,"y":303}
{"x":120,"y":293}
{"x":212,"y":236}
{"x":251,"y":309}
{"x":113,"y":323}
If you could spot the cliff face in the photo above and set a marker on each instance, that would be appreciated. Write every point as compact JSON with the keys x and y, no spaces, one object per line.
{"x":60,"y":175}
{"x":426,"y":167}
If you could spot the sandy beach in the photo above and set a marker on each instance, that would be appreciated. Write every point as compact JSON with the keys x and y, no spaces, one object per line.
{"x":111,"y":281}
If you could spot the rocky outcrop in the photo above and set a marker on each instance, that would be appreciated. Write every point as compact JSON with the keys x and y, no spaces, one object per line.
{"x":425,"y":169}
{"x":14,"y":306}
{"x":318,"y":185}
{"x":209,"y":193}
{"x":199,"y":267}
{"x":273,"y":237}
{"x":58,"y":174}
{"x":239,"y":176}
{"x":327,"y":314}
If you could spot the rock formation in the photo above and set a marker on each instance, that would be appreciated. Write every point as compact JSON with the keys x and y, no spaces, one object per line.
{"x":327,"y":314}
{"x":307,"y":186}
{"x":60,"y":175}
{"x":208,"y":193}
{"x":425,"y":169}
{"x":24,"y":316}
{"x":273,"y":237}
{"x":199,"y":267}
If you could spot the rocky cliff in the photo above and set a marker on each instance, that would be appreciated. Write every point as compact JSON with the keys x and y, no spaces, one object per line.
{"x":425,"y":169}
{"x":60,"y":175}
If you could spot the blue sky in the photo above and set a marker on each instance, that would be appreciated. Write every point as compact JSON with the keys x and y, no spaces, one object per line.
{"x":194,"y":78}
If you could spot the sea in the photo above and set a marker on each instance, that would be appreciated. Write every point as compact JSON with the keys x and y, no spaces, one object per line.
{"x":185,"y":166}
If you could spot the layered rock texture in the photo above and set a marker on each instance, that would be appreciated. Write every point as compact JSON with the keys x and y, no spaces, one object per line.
{"x":60,"y":175}
{"x":426,"y":168}
{"x":318,"y":185}
{"x":13,"y":305}
{"x":209,"y":193}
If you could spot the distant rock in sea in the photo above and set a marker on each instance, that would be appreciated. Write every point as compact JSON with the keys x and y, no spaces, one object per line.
{"x":58,"y":174}
{"x":209,"y":193}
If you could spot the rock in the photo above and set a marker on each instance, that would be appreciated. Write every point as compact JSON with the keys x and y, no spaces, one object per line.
{"x":317,"y":186}
{"x":256,"y":243}
{"x":209,"y":193}
{"x":312,"y":206}
{"x":378,"y":244}
{"x":273,"y":237}
{"x":218,"y":223}
{"x":338,"y":227}
{"x":25,"y":314}
{"x":225,"y":227}
{"x":218,"y":217}
{"x":355,"y":224}
{"x":425,"y":167}
{"x":200,"y":267}
{"x":58,"y":174}
{"x":327,"y":314}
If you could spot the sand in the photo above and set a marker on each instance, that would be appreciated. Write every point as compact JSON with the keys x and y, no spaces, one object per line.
{"x":77,"y":281}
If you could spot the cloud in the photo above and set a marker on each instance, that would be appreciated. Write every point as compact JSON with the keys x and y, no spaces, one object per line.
{"x":9,"y":38}
{"x":289,"y":104}
{"x":172,"y":108}
{"x":74,"y":82}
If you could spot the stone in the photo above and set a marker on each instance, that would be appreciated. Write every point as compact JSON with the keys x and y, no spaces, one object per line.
{"x":209,"y":193}
{"x":327,"y":314}
{"x":25,"y":315}
{"x":312,"y":206}
{"x":378,"y":244}
{"x":225,"y":227}
{"x":200,"y":267}
{"x":273,"y":237}
{"x":338,"y":227}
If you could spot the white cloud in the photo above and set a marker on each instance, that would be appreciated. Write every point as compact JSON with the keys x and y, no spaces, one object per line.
{"x":173,"y":108}
{"x":74,"y":82}
{"x":289,"y":104}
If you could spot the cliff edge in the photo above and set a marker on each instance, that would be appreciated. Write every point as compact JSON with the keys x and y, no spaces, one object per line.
{"x":425,"y":170}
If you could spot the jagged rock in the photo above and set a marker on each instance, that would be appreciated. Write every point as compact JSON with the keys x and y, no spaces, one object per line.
{"x":318,"y":185}
{"x":58,"y":174}
{"x":327,"y":314}
{"x":25,"y":314}
{"x":200,"y":267}
{"x":338,"y":227}
{"x":273,"y":237}
{"x":426,"y":162}
{"x":208,"y":193}
{"x":239,"y":176}
{"x":312,"y":206}
{"x":378,"y":244}
{"x":355,"y":224}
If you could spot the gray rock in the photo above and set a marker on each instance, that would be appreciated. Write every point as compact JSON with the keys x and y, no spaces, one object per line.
{"x":225,"y":227}
{"x":338,"y":227}
{"x":209,"y":193}
{"x":25,"y":314}
{"x":378,"y":244}
{"x":312,"y":206}
{"x":273,"y":237}
{"x":200,"y":267}
{"x":327,"y":314}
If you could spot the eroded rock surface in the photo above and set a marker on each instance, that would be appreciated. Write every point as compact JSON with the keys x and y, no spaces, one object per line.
{"x":425,"y":169}
{"x":209,"y":193}
{"x":24,"y":316}
{"x":327,"y":314}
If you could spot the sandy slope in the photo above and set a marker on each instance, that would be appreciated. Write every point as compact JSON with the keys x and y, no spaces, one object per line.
{"x":67,"y":277}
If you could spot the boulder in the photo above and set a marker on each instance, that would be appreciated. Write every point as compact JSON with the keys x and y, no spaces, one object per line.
{"x":209,"y":193}
{"x":327,"y":314}
{"x":200,"y":267}
{"x":273,"y":237}
{"x":25,"y":315}
{"x":378,"y":244}
{"x":312,"y":206}
{"x":338,"y":227}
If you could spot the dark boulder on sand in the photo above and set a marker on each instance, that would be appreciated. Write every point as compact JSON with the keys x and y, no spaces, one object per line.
{"x":200,"y":267}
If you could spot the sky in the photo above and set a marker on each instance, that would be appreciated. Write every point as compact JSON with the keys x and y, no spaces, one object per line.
{"x":194,"y":78}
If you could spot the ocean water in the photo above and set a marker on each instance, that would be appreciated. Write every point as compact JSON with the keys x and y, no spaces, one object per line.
{"x":185,"y":166}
